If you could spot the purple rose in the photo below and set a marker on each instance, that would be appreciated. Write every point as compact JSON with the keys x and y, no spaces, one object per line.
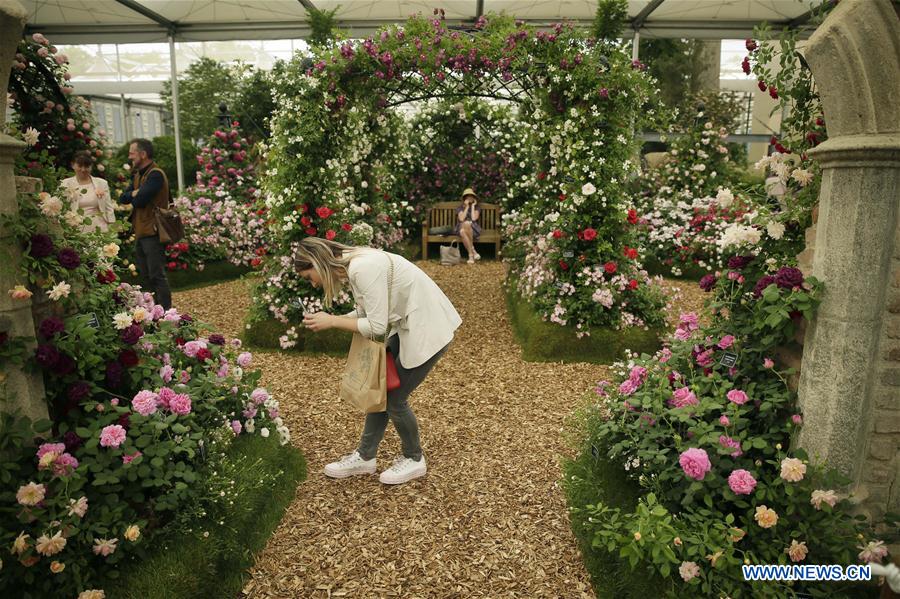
{"x":64,"y":365}
{"x":217,"y":339}
{"x":50,"y":327}
{"x":114,"y":374}
{"x":72,"y":441}
{"x":132,"y":334}
{"x":186,"y":318}
{"x":762,"y":284}
{"x":788,"y":277}
{"x":47,"y":356}
{"x":77,"y":392}
{"x":68,"y":258}
{"x":41,"y":246}
{"x":739,"y":262}
{"x":707,"y":282}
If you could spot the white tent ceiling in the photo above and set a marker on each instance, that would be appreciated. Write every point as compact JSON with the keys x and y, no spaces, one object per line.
{"x":132,"y":21}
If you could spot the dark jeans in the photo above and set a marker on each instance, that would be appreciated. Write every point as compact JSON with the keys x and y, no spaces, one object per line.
{"x":398,"y":410}
{"x":151,"y":259}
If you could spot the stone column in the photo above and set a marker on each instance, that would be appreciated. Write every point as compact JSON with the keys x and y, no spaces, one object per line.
{"x":18,"y":390}
{"x":710,"y":65}
{"x":850,"y":382}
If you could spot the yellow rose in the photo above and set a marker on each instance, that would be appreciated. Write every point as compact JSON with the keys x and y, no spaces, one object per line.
{"x":50,"y":545}
{"x":57,"y":567}
{"x":637,"y":536}
{"x":47,"y":460}
{"x":132,"y":533}
{"x":19,"y":292}
{"x":111,"y":250}
{"x":765,"y":517}
{"x":92,"y":594}
{"x":797,"y":551}
{"x":20,"y":544}
{"x":140,"y":315}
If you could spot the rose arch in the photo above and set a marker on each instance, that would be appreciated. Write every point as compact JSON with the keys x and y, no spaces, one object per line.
{"x":338,"y":153}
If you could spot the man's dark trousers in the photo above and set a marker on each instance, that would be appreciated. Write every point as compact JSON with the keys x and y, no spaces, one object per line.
{"x":151,"y":267}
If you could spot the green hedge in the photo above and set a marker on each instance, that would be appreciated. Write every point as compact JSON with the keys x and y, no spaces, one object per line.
{"x":588,"y":480}
{"x":264,"y":334}
{"x":214,"y":272}
{"x":195,"y":567}
{"x":545,"y":342}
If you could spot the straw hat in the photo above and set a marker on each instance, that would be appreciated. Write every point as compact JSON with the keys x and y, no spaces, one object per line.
{"x":469,"y":192}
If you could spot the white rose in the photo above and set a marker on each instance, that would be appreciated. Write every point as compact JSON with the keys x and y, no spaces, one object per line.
{"x":588,"y":189}
{"x":725,"y":198}
{"x":60,"y":290}
{"x":264,"y":432}
{"x":775,"y":229}
{"x":122,"y":320}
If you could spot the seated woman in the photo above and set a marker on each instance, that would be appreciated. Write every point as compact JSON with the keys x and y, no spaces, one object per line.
{"x":467,"y":226}
{"x":90,"y":194}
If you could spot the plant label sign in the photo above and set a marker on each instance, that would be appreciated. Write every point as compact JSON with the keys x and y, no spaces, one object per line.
{"x":728,"y":359}
{"x":93,"y":322}
{"x":568,"y":254}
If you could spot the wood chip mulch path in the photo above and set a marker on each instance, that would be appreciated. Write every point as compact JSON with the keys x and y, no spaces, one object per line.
{"x":488,"y":520}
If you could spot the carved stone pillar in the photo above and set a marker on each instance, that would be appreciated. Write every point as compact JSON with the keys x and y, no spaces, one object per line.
{"x":18,"y":390}
{"x":850,"y":382}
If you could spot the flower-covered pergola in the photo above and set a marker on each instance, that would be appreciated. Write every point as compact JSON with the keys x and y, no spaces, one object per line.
{"x":334,"y":156}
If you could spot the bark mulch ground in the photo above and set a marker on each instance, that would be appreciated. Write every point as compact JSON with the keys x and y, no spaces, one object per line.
{"x":489,"y":519}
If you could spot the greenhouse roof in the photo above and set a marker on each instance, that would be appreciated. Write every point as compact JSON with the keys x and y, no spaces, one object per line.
{"x":133,"y":21}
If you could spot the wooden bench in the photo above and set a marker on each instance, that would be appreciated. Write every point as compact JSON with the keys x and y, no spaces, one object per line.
{"x":443,"y":214}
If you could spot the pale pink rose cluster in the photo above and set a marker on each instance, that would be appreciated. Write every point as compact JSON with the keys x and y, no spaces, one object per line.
{"x":695,"y":463}
{"x":145,"y":402}
{"x":112,"y":436}
{"x":191,"y":348}
{"x":741,"y":482}
{"x":688,"y":322}
{"x":634,"y":381}
{"x":177,"y":403}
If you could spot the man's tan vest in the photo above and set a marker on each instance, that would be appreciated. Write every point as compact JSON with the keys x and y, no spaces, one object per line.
{"x":144,"y":219}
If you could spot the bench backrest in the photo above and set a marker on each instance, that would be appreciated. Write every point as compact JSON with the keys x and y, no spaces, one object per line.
{"x":444,"y":213}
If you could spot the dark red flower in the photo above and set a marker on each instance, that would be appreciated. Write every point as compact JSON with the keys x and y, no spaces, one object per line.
{"x":106,"y":277}
{"x":171,"y":265}
{"x":255,"y":262}
{"x":311,"y":231}
{"x":69,"y":258}
{"x":72,"y":441}
{"x":217,"y":339}
{"x":78,"y":391}
{"x":610,"y":267}
{"x":114,"y":374}
{"x":632,"y":284}
{"x":542,"y":176}
{"x":346,"y":226}
{"x":204,"y":354}
{"x":589,"y":234}
{"x":761,"y":85}
{"x":50,"y":327}
{"x":64,"y":366}
{"x":751,"y":44}
{"x":707,"y":282}
{"x":131,"y":334}
{"x":324,"y":211}
{"x":745,"y":65}
{"x":47,"y":356}
{"x":329,"y":234}
{"x":762,"y":284}
{"x":41,"y":246}
{"x":124,"y":421}
{"x":630,"y":253}
{"x":305,"y":221}
{"x":562,"y":197}
{"x":563,"y":265}
{"x":557,"y":234}
{"x":773,"y":91}
{"x":128,"y":358}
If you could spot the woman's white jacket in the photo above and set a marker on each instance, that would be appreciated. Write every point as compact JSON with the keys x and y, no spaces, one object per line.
{"x":420,"y":313}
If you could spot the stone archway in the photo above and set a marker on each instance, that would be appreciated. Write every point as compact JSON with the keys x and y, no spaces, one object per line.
{"x":850,"y":382}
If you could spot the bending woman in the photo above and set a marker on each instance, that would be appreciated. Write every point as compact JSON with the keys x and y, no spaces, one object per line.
{"x":421,"y":322}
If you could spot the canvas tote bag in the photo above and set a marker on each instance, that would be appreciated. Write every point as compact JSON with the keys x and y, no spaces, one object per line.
{"x":450,"y":255}
{"x":364,"y":384}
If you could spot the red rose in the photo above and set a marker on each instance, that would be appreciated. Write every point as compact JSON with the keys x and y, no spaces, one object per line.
{"x":204,"y":354}
{"x":346,"y":226}
{"x":329,"y":234}
{"x":128,"y":358}
{"x":171,"y":266}
{"x":255,"y":262}
{"x":304,"y":208}
{"x":306,"y":221}
{"x":745,"y":65}
{"x":632,"y":284}
{"x":610,"y":267}
{"x":563,"y":265}
{"x":179,"y":341}
{"x":311,"y":231}
{"x":260,"y":251}
{"x":632,"y":216}
{"x":324,"y":211}
{"x":761,"y":85}
{"x":557,"y":234}
{"x":630,"y":253}
{"x":562,"y":197}
{"x":773,"y":91}
{"x":542,"y":176}
{"x":589,"y":234}
{"x":751,"y":45}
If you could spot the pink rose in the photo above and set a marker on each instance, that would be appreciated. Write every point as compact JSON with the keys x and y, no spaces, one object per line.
{"x":768,"y":363}
{"x":244,"y":359}
{"x":729,"y":443}
{"x":127,"y":459}
{"x":683,"y":397}
{"x":724,"y":421}
{"x":236,"y":426}
{"x":695,"y":463}
{"x":741,"y":482}
{"x":737,"y":396}
{"x":797,"y":419}
{"x":726,"y":342}
{"x":180,"y":404}
{"x":145,"y":402}
{"x":112,"y":435}
{"x":166,"y":372}
{"x":259,"y":395}
{"x":627,"y":387}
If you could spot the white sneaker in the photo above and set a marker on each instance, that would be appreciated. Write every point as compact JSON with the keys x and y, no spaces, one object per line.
{"x":403,"y":470}
{"x":471,"y":260}
{"x":477,"y":256}
{"x":350,"y":465}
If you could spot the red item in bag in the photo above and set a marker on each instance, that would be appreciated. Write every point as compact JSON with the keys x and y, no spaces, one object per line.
{"x":393,"y":379}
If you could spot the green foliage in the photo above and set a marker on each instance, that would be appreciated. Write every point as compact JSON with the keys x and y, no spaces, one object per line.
{"x":255,"y":104}
{"x":544,"y":342}
{"x":322,"y":26}
{"x":676,"y":65}
{"x":204,"y":85}
{"x":241,"y":500}
{"x":610,"y":19}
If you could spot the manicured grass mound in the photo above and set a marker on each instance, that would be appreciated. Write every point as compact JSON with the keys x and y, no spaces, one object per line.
{"x":264,"y":334}
{"x":546,"y":342}
{"x":214,"y":272}
{"x":198,"y":567}
{"x":588,"y":480}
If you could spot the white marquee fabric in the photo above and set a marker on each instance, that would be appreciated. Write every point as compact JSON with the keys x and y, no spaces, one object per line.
{"x":134,"y":21}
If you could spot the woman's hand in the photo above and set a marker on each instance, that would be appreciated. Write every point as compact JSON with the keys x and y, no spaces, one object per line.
{"x":318,"y":321}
